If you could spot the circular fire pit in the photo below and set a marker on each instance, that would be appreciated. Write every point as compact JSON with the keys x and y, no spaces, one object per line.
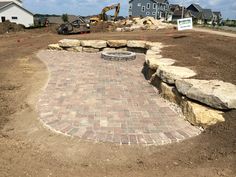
{"x":118,"y":55}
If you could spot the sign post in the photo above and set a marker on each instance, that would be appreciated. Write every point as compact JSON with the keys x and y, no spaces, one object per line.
{"x":185,"y":24}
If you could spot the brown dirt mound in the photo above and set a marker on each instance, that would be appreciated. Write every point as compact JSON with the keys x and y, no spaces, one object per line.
{"x":8,"y":26}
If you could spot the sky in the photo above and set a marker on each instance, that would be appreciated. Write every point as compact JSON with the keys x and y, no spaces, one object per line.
{"x":92,"y":7}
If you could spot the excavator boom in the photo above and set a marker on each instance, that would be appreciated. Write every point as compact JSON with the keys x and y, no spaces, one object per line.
{"x":103,"y":17}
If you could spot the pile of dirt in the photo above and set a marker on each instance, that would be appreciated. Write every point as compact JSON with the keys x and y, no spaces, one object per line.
{"x":103,"y":26}
{"x":147,"y":23}
{"x":8,"y":26}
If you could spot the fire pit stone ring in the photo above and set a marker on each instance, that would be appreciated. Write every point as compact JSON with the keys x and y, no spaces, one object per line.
{"x":118,"y":55}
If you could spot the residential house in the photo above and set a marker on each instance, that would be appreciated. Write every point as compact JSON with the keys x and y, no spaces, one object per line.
{"x":217,"y":17}
{"x":176,"y":12}
{"x":200,"y":15}
{"x":159,"y":9}
{"x":14,"y":11}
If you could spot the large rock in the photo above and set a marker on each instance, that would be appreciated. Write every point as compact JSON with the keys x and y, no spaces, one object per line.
{"x":74,"y":49}
{"x":90,"y":50}
{"x":97,"y":44}
{"x":119,"y":29}
{"x":54,"y":47}
{"x":107,"y":49}
{"x":155,"y":62}
{"x":66,"y":43}
{"x":149,"y":45}
{"x":117,"y":43}
{"x":217,"y":94}
{"x":122,"y":49}
{"x":151,"y":52}
{"x":170,"y":74}
{"x":200,"y":115}
{"x":156,"y":49}
{"x":136,"y":43}
{"x":170,"y":93}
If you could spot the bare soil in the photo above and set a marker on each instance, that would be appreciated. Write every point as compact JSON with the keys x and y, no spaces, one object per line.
{"x":29,"y":149}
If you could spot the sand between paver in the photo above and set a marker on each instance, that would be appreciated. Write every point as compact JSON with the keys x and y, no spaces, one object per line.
{"x":106,"y":101}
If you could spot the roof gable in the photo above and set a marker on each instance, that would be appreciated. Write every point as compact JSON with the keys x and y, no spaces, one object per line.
{"x":12,"y":3}
{"x":196,"y":6}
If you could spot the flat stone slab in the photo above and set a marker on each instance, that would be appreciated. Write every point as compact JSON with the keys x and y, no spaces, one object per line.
{"x":103,"y":101}
{"x":98,"y":44}
{"x":66,"y":43}
{"x":54,"y":47}
{"x":117,"y":43}
{"x":136,"y":43}
{"x":170,"y":74}
{"x":217,"y":94}
{"x":154,"y":63}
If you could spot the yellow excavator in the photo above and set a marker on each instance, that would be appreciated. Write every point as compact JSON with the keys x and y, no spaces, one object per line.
{"x":103,"y":16}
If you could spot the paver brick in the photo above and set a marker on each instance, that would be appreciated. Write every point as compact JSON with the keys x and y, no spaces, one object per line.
{"x":106,"y":101}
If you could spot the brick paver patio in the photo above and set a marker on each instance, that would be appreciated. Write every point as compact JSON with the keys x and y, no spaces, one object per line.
{"x":106,"y":101}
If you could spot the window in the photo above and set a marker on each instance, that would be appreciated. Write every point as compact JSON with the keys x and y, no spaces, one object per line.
{"x":143,"y":8}
{"x":130,"y":6}
{"x":3,"y":19}
{"x":148,"y":5}
{"x":147,"y":13}
{"x":154,"y":6}
{"x":153,"y":13}
{"x":139,"y":4}
{"x":14,"y":18}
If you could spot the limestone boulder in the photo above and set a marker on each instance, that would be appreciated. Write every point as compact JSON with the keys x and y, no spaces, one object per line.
{"x":122,"y":49}
{"x":136,"y":43}
{"x":74,"y":49}
{"x":54,"y":47}
{"x":108,"y":49}
{"x":170,"y":93}
{"x":170,"y":74}
{"x":156,"y":49}
{"x":151,"y":52}
{"x":117,"y":43}
{"x":119,"y":30}
{"x":215,"y":93}
{"x":67,"y":43}
{"x":90,"y":50}
{"x":200,"y":115}
{"x":97,"y":44}
{"x":154,"y":62}
{"x":149,"y":45}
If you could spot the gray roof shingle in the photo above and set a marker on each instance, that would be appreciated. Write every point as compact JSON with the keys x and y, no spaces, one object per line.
{"x":207,"y":14}
{"x":3,"y":4}
{"x":198,"y":7}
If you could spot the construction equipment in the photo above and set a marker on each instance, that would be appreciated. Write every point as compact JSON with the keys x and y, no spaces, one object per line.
{"x":103,"y":17}
{"x":77,"y":26}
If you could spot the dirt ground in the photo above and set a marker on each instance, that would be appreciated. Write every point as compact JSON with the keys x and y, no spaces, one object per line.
{"x":29,"y":149}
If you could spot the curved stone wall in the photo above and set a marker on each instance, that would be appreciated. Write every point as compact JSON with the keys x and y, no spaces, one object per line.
{"x":203,"y":102}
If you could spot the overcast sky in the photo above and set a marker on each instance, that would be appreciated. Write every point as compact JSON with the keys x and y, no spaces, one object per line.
{"x":91,"y":7}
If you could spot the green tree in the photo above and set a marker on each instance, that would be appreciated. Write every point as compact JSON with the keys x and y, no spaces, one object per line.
{"x":64,"y":17}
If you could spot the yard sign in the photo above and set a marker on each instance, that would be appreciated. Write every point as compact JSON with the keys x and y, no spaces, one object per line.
{"x":185,"y":24}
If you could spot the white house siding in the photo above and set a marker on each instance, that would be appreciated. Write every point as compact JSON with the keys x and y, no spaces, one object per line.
{"x":23,"y":17}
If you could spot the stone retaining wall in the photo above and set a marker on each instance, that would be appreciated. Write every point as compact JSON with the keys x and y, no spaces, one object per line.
{"x":203,"y":102}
